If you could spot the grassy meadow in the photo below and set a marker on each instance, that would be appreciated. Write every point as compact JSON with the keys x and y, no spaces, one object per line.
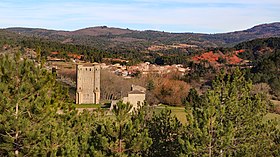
{"x":179,"y":112}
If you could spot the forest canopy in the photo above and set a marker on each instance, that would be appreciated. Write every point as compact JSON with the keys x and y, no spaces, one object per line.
{"x":38,"y":120}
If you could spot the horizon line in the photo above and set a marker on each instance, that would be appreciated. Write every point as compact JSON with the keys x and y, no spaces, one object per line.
{"x":134,"y":29}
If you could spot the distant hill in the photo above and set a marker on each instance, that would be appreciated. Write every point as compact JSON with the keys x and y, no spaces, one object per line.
{"x":259,"y":31}
{"x":104,"y":37}
{"x":258,"y":48}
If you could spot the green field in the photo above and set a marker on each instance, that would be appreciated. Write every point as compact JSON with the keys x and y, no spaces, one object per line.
{"x":179,"y":112}
{"x":87,"y":105}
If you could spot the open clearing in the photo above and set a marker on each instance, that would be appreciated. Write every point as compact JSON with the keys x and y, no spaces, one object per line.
{"x":179,"y":112}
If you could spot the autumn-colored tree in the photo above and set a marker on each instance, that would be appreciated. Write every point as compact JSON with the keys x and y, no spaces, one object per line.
{"x":171,"y":92}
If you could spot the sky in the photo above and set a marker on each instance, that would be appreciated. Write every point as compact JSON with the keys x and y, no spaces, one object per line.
{"x":199,"y":16}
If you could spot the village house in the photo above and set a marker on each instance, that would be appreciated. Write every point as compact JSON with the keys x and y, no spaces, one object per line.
{"x":136,"y":97}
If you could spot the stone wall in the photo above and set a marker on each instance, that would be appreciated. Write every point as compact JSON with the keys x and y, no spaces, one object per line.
{"x":135,"y":99}
{"x":88,"y":84}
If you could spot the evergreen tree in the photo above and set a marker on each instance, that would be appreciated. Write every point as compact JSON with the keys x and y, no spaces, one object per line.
{"x":123,"y":135}
{"x":165,"y":131}
{"x":29,"y":103}
{"x":229,"y":121}
{"x":193,"y":98}
{"x":38,"y":52}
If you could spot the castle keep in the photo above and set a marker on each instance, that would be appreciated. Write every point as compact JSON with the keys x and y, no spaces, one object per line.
{"x":88,"y":84}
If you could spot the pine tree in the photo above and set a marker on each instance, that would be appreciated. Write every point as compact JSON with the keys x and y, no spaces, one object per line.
{"x":38,"y":52}
{"x":193,"y":98}
{"x":28,"y":106}
{"x":123,"y":135}
{"x":165,"y":131}
{"x":229,"y":121}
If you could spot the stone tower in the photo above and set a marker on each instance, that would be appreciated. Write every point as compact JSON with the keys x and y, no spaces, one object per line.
{"x":88,"y":84}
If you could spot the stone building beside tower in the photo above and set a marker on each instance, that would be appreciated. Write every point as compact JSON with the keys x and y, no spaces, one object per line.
{"x":136,"y":97}
{"x":88,"y":84}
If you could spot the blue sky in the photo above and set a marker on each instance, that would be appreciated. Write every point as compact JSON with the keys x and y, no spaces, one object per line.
{"x":205,"y":16}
